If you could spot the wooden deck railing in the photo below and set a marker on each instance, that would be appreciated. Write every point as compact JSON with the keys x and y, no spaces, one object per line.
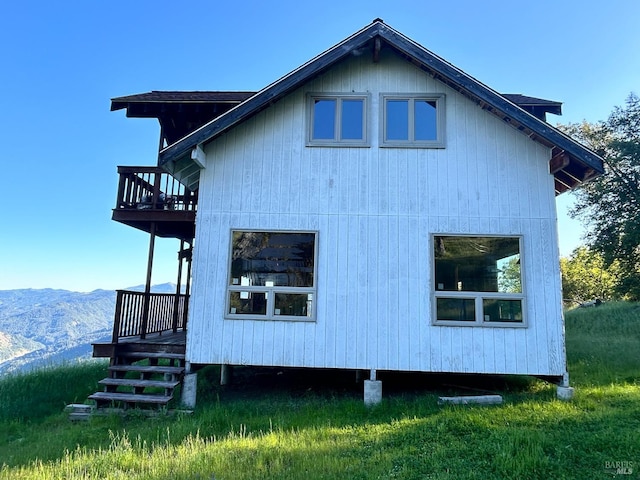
{"x":166,"y":312}
{"x":151,"y":188}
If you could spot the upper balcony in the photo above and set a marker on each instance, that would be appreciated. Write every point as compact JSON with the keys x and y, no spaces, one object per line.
{"x":149,"y":198}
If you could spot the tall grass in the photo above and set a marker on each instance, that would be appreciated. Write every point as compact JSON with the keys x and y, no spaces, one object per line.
{"x":603,"y":344}
{"x":315,"y":427}
{"x":38,"y":394}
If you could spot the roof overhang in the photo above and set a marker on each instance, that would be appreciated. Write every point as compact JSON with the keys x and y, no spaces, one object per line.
{"x":571,"y":163}
{"x":179,"y":113}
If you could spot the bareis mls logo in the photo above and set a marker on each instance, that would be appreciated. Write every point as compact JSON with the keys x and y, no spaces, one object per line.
{"x":619,"y":468}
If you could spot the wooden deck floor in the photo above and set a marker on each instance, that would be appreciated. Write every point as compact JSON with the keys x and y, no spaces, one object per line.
{"x":166,"y":338}
{"x":156,"y":342}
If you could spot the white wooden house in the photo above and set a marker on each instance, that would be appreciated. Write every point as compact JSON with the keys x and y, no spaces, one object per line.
{"x":378,"y":209}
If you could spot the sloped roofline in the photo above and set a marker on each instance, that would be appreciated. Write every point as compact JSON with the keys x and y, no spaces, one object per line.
{"x":563,"y":147}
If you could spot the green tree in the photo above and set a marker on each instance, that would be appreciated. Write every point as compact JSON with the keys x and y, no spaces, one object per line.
{"x":609,"y":206}
{"x":509,"y":276}
{"x":586,"y":277}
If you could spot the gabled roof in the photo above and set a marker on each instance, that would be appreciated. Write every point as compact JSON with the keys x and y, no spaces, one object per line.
{"x":571,"y":162}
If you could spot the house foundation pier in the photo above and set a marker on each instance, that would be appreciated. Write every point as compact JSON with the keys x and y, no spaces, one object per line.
{"x":189,"y":388}
{"x":564,"y":391}
{"x":372,"y":390}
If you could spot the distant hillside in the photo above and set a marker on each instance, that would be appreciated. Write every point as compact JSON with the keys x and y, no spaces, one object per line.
{"x":47,"y":326}
{"x":14,"y":346}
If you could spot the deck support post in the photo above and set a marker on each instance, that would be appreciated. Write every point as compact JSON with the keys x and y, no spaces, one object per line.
{"x":189,"y":388}
{"x":187,"y":291}
{"x":147,"y":288}
{"x":176,"y":301}
{"x":372,"y":390}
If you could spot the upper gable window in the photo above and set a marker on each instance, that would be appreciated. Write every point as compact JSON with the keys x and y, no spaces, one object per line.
{"x":338,"y":120}
{"x":413,"y":121}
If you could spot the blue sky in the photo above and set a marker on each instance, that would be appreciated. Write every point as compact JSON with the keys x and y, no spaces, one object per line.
{"x":62,"y":62}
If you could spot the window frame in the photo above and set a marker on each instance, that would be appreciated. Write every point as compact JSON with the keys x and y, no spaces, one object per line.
{"x":337,"y":141}
{"x":411,"y":142}
{"x":271,"y":291}
{"x":478,"y":297}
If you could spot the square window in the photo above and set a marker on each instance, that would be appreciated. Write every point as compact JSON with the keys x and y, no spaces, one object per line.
{"x":483,"y":271}
{"x":500,"y":310}
{"x":271,"y":274}
{"x":324,"y":119}
{"x":397,"y":120}
{"x":294,"y":304}
{"x":352,"y":121}
{"x":412,"y":121}
{"x":338,"y":120}
{"x":247,"y":303}
{"x":425,"y":120}
{"x":456,"y":309}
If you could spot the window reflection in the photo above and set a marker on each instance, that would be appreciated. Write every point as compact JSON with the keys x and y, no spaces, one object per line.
{"x":272,"y":259}
{"x":478,"y":280}
{"x":272,"y":275}
{"x":425,"y":120}
{"x":324,"y":119}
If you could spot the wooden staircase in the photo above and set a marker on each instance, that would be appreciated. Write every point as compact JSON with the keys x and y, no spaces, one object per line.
{"x":141,"y":375}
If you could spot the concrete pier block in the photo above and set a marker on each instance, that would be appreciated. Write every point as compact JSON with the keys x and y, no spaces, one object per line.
{"x":564,"y":393}
{"x":372,"y":392}
{"x":189,"y":388}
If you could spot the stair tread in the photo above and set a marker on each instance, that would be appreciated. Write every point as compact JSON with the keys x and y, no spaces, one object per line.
{"x":132,"y":382}
{"x":146,"y":369}
{"x":131,"y":397}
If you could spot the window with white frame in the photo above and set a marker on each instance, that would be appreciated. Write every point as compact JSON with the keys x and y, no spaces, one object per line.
{"x":478,"y":280}
{"x":272,"y":275}
{"x":338,"y":120}
{"x":412,"y":121}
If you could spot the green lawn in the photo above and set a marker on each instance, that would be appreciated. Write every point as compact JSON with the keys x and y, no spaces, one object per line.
{"x":305,"y":425}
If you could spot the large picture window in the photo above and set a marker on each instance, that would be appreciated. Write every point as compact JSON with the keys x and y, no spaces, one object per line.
{"x":338,"y":120}
{"x":272,"y":275}
{"x":413,"y":121}
{"x":478,"y":281}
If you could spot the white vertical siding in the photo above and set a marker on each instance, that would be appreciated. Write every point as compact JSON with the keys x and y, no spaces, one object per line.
{"x":375,"y":210}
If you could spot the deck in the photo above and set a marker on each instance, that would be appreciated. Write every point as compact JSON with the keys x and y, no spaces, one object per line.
{"x":146,"y":352}
{"x":154,"y":321}
{"x":148,"y":342}
{"x":169,"y":342}
{"x":151,"y":200}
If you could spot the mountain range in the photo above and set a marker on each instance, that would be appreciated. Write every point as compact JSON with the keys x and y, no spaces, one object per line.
{"x":41,"y":327}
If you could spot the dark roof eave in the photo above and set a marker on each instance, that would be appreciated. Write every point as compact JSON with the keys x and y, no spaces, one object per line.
{"x":158,"y":98}
{"x":424,"y":59}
